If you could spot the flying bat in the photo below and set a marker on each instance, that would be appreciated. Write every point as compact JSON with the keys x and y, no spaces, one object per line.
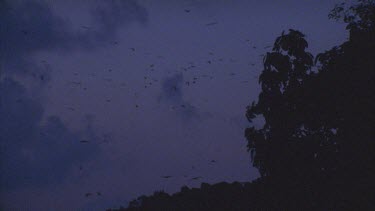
{"x":212,"y":23}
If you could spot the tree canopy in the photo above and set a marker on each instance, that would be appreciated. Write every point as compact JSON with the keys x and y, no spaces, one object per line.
{"x":318,"y":136}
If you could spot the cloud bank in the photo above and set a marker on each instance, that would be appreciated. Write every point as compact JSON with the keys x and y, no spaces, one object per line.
{"x":34,"y":152}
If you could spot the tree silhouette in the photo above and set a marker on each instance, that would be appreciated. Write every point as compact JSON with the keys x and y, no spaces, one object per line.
{"x":318,"y":141}
{"x":286,"y":69}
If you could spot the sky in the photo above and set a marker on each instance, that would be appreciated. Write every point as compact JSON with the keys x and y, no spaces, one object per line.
{"x":100,"y":100}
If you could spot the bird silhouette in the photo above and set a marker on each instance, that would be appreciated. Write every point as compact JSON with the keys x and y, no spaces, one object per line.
{"x":166,"y":177}
{"x":212,"y":23}
{"x":76,"y":83}
{"x":70,"y":108}
{"x":86,"y":27}
{"x":196,"y":178}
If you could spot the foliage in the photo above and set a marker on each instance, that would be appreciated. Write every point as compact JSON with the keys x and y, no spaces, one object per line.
{"x":319,"y":117}
{"x":220,"y":196}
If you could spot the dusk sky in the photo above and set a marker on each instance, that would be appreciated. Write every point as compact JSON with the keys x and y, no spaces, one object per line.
{"x":110,"y":96}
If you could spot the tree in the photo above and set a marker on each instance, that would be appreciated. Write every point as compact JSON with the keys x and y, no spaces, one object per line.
{"x":285,"y":71}
{"x":318,"y":134}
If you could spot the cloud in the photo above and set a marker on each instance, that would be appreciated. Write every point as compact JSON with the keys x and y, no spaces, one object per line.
{"x":111,"y":14}
{"x":172,"y":95}
{"x":35,"y":153}
{"x":31,"y":26}
{"x":27,"y":28}
{"x":172,"y":89}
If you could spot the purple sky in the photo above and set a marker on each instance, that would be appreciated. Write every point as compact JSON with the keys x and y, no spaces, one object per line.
{"x":155,"y":88}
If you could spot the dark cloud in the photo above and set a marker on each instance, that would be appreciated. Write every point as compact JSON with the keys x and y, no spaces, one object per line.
{"x":172,"y":89}
{"x":172,"y":95}
{"x":30,"y":26}
{"x":34,"y":153}
{"x":111,"y":14}
{"x":27,"y":28}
